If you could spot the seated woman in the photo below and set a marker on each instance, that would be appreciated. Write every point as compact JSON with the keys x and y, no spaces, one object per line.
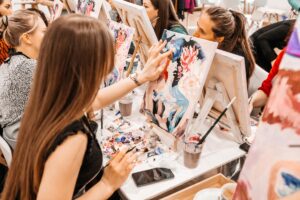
{"x":260,"y":97}
{"x":5,"y":10}
{"x":266,"y":39}
{"x":163,"y":16}
{"x":226,"y":27}
{"x":23,"y":31}
{"x":56,"y":143}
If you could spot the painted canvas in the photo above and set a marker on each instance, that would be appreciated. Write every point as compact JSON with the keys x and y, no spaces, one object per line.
{"x":170,"y":101}
{"x":56,"y":11}
{"x":123,"y":36}
{"x":136,"y":16}
{"x":85,"y":7}
{"x":272,"y":168}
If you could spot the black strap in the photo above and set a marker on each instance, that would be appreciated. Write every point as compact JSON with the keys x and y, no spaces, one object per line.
{"x":12,"y":52}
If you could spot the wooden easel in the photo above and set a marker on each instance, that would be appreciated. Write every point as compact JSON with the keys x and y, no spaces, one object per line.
{"x":137,"y":47}
{"x":216,"y":92}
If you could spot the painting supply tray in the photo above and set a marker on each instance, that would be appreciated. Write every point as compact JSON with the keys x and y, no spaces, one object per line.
{"x":189,"y":193}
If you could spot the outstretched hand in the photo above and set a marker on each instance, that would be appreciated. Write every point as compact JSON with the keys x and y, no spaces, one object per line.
{"x":156,"y":63}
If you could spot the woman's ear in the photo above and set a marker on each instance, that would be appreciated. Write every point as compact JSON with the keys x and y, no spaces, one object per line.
{"x":26,"y":39}
{"x":220,"y":39}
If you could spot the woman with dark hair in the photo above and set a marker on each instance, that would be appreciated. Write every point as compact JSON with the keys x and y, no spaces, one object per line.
{"x":57,"y":154}
{"x":5,"y":10}
{"x":163,"y":16}
{"x":228,"y":28}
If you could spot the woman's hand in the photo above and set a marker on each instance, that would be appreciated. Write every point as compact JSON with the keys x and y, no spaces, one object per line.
{"x":118,"y":169}
{"x":155,"y":64}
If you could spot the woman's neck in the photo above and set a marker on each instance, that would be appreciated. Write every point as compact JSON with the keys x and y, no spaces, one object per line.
{"x":27,"y":51}
{"x":154,"y":21}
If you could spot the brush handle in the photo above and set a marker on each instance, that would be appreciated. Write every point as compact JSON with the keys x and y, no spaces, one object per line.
{"x":212,"y":127}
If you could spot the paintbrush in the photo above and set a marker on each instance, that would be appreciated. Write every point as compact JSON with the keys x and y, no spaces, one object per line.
{"x":101,"y":119}
{"x":216,"y":122}
{"x":129,"y":150}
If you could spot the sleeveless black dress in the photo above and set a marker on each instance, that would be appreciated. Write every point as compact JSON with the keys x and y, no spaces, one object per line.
{"x":91,"y":169}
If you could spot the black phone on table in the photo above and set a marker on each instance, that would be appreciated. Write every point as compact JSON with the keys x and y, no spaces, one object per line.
{"x":152,"y":176}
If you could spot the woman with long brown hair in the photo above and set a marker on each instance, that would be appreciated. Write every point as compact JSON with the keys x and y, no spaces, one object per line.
{"x":163,"y":16}
{"x":228,"y":28}
{"x":57,"y":154}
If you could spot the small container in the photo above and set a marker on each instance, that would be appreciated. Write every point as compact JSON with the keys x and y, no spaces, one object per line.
{"x":191,"y":154}
{"x":227,"y":191}
{"x":125,"y":106}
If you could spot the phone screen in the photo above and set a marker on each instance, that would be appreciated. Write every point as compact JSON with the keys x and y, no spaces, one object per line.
{"x":152,"y":176}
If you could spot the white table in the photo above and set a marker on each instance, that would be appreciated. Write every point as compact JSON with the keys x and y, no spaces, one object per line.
{"x":217,"y":152}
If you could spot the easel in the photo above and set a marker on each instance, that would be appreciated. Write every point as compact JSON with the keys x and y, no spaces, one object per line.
{"x":137,"y":47}
{"x":216,"y":92}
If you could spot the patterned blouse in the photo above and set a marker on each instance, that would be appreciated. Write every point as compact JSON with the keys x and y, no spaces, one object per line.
{"x":15,"y":80}
{"x":3,"y":51}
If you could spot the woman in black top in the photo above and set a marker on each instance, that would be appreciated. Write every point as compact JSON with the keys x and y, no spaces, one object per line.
{"x":57,"y":155}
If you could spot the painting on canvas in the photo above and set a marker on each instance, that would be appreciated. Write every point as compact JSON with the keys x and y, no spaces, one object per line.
{"x":122,"y":35}
{"x":56,"y":10}
{"x":136,"y":16}
{"x":272,"y":168}
{"x":85,"y":7}
{"x":170,"y":101}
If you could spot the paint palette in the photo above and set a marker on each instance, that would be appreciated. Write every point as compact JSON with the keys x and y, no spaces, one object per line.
{"x":111,"y":145}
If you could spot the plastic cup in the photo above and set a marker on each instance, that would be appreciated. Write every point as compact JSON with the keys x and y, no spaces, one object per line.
{"x":125,"y":106}
{"x":191,"y":154}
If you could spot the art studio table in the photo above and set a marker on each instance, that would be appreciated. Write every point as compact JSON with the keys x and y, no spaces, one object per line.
{"x":218,"y":152}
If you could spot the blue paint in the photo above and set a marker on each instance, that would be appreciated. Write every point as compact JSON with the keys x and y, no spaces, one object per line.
{"x":290,"y":186}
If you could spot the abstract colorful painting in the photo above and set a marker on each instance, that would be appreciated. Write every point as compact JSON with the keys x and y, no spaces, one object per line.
{"x":89,"y":7}
{"x":123,"y":36}
{"x":56,"y":11}
{"x":136,"y":16}
{"x":272,"y":168}
{"x":170,"y":101}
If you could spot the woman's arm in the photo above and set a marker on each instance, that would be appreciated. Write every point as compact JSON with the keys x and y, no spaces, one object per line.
{"x":45,"y":3}
{"x":258,"y":99}
{"x":62,"y":169}
{"x":152,"y":70}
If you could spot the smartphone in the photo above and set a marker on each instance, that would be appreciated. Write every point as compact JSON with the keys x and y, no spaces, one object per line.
{"x":152,"y":176}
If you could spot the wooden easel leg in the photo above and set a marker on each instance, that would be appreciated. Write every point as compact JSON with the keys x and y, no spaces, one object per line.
{"x":137,"y":47}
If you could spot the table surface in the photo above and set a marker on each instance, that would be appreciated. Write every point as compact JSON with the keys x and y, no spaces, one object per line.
{"x":217,"y":151}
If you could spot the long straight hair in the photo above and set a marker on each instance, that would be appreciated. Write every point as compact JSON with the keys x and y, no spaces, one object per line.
{"x":76,"y":55}
{"x":166,"y":16}
{"x":232,"y":26}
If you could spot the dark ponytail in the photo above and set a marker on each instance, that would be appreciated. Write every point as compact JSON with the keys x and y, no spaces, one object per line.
{"x":232,"y":26}
{"x":239,"y":37}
